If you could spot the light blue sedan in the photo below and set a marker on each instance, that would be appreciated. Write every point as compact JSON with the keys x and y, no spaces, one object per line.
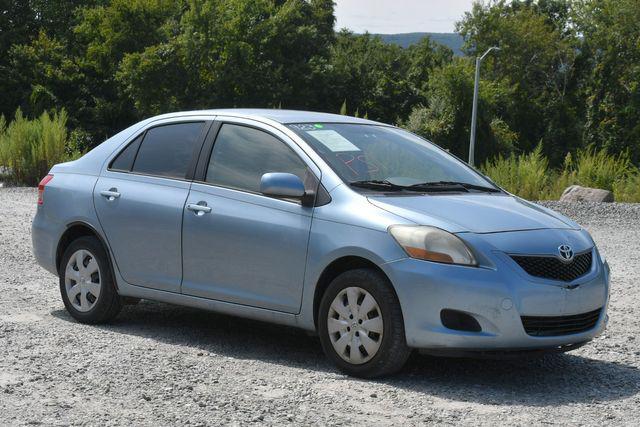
{"x":372,"y":237}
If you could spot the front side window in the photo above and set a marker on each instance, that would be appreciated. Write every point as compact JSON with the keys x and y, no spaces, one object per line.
{"x":241,"y":155}
{"x":168,"y":150}
{"x":360,"y":153}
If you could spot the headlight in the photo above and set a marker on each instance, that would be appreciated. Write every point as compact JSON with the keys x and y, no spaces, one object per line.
{"x":432,"y":244}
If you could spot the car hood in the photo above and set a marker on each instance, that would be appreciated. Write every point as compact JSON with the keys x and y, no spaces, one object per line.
{"x":477,"y":213}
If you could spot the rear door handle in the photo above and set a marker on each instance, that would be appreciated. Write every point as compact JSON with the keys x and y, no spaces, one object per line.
{"x":199,"y":208}
{"x":111,"y":194}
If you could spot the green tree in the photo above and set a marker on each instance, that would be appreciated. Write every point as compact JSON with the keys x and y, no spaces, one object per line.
{"x":43,"y":76}
{"x":566,"y":77}
{"x":538,"y":57}
{"x":22,"y":23}
{"x":236,"y":53}
{"x":105,"y":35}
{"x":371,"y":76}
{"x":446,"y":119}
{"x":424,"y":57}
{"x":612,"y":43}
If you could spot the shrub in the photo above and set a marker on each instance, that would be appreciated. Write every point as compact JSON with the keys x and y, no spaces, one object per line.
{"x":526,"y":175}
{"x":628,"y":190}
{"x":599,"y":169}
{"x":29,"y":148}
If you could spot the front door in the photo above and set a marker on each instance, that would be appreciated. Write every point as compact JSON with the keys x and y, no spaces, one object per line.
{"x":238,"y":245}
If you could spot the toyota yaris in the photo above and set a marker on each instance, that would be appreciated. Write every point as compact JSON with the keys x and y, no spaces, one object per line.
{"x":372,"y":237}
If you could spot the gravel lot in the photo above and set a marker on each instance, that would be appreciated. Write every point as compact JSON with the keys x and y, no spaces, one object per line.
{"x":160,"y":364}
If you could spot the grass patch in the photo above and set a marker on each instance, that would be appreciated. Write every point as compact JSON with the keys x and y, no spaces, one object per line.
{"x":29,"y":148}
{"x":529,"y":175}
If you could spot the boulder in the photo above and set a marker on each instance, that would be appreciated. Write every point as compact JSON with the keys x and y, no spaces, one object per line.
{"x":576,"y":193}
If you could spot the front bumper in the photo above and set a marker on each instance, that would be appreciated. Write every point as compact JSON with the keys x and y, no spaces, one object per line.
{"x":496,"y":297}
{"x":501,"y":354}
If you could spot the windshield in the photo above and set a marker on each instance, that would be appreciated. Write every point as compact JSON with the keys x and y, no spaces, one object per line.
{"x":365,"y":153}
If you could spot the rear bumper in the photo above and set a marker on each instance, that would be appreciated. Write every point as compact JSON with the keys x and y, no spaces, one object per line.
{"x":44,"y":241}
{"x":496,"y":298}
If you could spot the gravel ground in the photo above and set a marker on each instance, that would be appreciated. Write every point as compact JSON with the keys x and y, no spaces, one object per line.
{"x":160,"y":364}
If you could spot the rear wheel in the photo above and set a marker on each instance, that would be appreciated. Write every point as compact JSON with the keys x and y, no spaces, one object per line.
{"x":361,"y":326}
{"x":86,"y":283}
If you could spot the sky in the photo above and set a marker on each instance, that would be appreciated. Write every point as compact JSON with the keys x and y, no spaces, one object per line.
{"x":400,"y":16}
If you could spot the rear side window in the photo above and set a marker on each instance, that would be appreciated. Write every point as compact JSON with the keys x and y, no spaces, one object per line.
{"x":168,"y":150}
{"x":241,"y":155}
{"x":125,"y":159}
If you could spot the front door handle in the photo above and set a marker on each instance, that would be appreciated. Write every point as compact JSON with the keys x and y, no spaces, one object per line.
{"x":111,"y":194}
{"x":199,"y":208}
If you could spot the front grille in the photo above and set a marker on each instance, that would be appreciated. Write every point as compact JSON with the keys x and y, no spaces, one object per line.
{"x":550,"y":326}
{"x":552,"y":268}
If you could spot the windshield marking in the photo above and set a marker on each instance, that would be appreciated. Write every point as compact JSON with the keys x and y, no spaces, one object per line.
{"x":359,"y":152}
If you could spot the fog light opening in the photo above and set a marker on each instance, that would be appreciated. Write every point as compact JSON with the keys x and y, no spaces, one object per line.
{"x":459,"y":321}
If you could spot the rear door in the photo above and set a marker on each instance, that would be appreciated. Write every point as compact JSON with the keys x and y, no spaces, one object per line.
{"x":244,"y":247}
{"x":139,"y":201}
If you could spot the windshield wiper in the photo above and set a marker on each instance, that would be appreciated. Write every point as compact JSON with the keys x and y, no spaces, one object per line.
{"x":378,"y":184}
{"x":451,"y":185}
{"x":435,"y":186}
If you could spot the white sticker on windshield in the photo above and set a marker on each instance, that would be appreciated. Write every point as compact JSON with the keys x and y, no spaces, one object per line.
{"x":333,"y":140}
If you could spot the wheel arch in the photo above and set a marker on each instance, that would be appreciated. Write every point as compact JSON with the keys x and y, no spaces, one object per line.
{"x":337,"y":267}
{"x":74,"y":231}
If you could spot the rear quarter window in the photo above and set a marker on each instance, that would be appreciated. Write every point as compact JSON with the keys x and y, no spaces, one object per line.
{"x":168,"y":150}
{"x":124,"y":161}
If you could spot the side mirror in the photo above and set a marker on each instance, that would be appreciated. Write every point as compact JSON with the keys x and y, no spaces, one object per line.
{"x":282,"y":185}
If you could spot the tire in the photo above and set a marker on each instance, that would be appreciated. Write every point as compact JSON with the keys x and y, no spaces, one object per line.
{"x":79,"y":285}
{"x":381,"y":328}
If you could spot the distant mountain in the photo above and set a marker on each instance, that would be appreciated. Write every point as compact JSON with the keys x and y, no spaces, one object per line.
{"x":451,"y":40}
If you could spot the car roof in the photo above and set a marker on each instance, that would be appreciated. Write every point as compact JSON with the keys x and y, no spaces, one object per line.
{"x":280,"y":116}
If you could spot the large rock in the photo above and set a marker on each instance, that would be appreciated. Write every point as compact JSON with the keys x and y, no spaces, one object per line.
{"x":576,"y":193}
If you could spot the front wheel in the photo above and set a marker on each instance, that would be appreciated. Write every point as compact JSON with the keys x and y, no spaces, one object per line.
{"x":361,"y":326}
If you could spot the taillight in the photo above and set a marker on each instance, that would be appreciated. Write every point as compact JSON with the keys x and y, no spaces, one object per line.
{"x":41,"y":186}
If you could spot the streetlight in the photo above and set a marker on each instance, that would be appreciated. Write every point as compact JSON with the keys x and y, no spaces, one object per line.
{"x":474,"y":112}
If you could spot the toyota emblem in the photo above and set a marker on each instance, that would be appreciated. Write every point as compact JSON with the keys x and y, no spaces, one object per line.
{"x":566,"y":253}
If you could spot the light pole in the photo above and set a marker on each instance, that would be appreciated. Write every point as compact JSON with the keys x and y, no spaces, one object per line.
{"x":474,"y":111}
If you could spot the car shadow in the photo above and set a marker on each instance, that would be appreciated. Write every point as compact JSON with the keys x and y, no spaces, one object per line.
{"x":551,"y":380}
